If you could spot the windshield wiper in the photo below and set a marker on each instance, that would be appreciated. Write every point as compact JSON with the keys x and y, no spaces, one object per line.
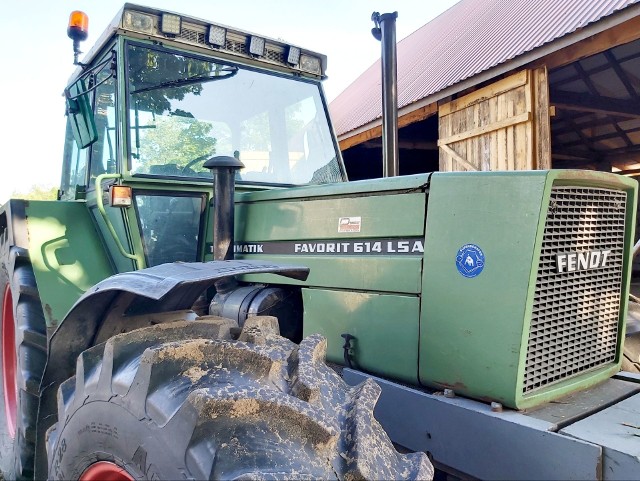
{"x":229,"y":72}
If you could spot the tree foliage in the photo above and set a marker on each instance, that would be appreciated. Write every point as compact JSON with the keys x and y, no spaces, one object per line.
{"x":38,"y":192}
{"x":148,"y":68}
{"x":159,"y":146}
{"x":170,"y":138}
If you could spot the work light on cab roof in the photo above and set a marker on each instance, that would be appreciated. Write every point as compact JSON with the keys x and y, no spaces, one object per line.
{"x":170,"y":24}
{"x":231,"y":41}
{"x":78,"y":31}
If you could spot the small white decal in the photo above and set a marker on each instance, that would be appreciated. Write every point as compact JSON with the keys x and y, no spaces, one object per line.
{"x":349,"y":224}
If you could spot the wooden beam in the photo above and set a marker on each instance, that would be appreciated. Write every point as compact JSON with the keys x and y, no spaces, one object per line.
{"x":567,"y":157}
{"x":509,"y":83}
{"x":585,"y":139}
{"x":600,"y":138}
{"x":403,"y":120}
{"x":574,"y":154}
{"x":591,"y":124}
{"x":574,"y":165}
{"x":458,"y":158}
{"x":620,"y":34}
{"x":598,"y":105}
{"x":372,"y":133}
{"x":629,"y":172}
{"x":508,"y":122}
{"x":621,"y":152}
{"x":417,"y":115}
{"x":594,"y":70}
{"x":615,"y":156}
{"x":403,"y":144}
{"x":542,"y":122}
{"x":615,"y":65}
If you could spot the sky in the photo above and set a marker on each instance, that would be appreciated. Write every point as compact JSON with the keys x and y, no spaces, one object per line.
{"x":37,"y":58}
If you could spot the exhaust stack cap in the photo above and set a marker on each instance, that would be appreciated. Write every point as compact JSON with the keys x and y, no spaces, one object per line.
{"x":223,"y":161}
{"x":224,"y":170}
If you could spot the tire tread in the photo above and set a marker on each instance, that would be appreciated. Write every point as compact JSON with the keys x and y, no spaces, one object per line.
{"x":223,"y":400}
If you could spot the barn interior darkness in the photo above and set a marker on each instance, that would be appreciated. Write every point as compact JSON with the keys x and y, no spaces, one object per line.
{"x":595,"y":121}
{"x":597,"y":111}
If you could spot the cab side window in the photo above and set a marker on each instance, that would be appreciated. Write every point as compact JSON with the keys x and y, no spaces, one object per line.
{"x":82,"y":166}
{"x":103,"y":151}
{"x":74,"y":167}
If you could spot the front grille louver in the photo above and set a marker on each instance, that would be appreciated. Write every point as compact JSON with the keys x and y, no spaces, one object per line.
{"x":575,"y":316}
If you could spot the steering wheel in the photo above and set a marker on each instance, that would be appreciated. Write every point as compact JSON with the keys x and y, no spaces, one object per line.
{"x":193,"y":162}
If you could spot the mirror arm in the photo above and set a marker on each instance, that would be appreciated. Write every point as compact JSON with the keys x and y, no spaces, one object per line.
{"x":107,"y":221}
{"x":111,"y":60}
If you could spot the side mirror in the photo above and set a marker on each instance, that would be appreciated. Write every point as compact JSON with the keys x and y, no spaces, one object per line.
{"x":80,"y":114}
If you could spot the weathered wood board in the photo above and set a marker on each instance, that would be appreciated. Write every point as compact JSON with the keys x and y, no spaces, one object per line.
{"x":503,"y":126}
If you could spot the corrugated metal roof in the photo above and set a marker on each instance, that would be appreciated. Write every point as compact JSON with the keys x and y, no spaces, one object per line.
{"x":469,"y":38}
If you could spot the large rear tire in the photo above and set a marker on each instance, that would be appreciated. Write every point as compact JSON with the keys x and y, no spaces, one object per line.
{"x":185,"y":401}
{"x":23,"y":350}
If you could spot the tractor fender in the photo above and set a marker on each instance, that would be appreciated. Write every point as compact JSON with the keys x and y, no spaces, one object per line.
{"x":167,"y":287}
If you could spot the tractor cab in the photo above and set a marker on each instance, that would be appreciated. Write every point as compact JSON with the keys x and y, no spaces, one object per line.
{"x":162,"y":93}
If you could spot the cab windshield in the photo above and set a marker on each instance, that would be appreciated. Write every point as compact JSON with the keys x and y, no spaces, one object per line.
{"x":184,"y":110}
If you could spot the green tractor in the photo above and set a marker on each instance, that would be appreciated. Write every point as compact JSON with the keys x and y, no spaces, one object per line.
{"x":168,"y":317}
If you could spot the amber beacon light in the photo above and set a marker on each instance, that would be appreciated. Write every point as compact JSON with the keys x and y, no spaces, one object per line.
{"x":78,"y":30}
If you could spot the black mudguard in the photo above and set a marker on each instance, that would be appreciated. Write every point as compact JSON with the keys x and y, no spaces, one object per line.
{"x":167,"y":287}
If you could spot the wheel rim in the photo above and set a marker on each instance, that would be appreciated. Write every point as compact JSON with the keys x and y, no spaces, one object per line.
{"x":105,"y":471}
{"x":9,"y":382}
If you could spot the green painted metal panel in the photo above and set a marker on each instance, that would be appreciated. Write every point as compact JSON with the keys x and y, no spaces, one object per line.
{"x":115,"y":214}
{"x":382,"y":216}
{"x":474,"y":331}
{"x":478,"y":322}
{"x":401,"y":275}
{"x":392,"y":213}
{"x":407,"y":183}
{"x":67,"y":254}
{"x":385,"y":328}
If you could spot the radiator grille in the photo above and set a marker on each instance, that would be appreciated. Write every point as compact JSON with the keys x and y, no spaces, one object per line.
{"x":574,"y":325}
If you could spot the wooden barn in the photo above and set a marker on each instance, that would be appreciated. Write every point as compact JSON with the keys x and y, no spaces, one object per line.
{"x":506,"y":84}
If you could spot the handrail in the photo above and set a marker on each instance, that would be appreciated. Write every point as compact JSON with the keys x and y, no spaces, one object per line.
{"x":103,"y":212}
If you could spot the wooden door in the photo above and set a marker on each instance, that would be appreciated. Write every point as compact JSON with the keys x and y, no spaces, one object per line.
{"x":503,"y":126}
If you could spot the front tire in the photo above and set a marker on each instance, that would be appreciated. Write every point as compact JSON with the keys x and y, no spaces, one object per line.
{"x":185,"y":401}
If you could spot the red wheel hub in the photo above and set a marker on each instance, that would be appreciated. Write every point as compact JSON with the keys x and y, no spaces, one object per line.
{"x":105,"y":471}
{"x":9,"y":364}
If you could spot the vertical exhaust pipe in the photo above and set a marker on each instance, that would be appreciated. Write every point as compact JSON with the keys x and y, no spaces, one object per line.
{"x":224,"y":170}
{"x":385,"y":31}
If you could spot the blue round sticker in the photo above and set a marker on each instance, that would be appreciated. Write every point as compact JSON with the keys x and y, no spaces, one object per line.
{"x":470,"y":260}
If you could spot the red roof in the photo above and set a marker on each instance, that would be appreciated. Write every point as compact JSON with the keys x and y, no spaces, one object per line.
{"x":469,"y":38}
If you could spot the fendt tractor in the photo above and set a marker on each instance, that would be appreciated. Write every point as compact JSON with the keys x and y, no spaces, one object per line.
{"x":209,"y":298}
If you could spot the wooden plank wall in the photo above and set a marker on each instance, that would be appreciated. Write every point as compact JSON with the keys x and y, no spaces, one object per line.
{"x":542,"y":118}
{"x":499,"y":127}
